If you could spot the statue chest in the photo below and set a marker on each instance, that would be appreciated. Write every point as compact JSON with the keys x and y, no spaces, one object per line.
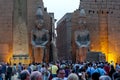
{"x":39,"y":33}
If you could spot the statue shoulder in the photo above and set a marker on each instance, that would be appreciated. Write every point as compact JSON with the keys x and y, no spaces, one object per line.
{"x":33,"y":31}
{"x":77,"y":31}
{"x":86,"y":31}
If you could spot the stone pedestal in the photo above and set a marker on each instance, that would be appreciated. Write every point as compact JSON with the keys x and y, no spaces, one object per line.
{"x":24,"y":59}
{"x":95,"y":56}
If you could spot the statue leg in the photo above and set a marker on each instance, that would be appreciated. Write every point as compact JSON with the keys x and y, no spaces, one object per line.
{"x":35,"y":54}
{"x":84,"y":53}
{"x":79,"y":55}
{"x":38,"y":54}
{"x":41,"y":54}
{"x":44,"y":55}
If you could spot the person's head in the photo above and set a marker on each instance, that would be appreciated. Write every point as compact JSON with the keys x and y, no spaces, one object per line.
{"x":95,"y":76}
{"x":118,"y":69}
{"x":104,"y":77}
{"x":61,"y":73}
{"x":36,"y":75}
{"x":73,"y":76}
{"x":25,"y":75}
{"x":111,"y":66}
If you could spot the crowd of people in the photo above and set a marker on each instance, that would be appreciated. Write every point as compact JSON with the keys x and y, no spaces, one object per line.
{"x":60,"y":71}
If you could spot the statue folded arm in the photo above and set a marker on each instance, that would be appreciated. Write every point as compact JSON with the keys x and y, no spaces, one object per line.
{"x":82,"y":40}
{"x":88,"y":39}
{"x":40,"y":39}
{"x":76,"y":39}
{"x":45,"y":38}
{"x":33,"y":37}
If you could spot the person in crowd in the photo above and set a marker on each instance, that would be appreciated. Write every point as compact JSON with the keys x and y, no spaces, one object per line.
{"x":45,"y":72}
{"x":90,"y":70}
{"x":53,"y":69}
{"x":14,"y":69}
{"x":116,"y":74}
{"x":95,"y":76}
{"x":43,"y":69}
{"x":77,"y":69}
{"x":8,"y":72}
{"x":67,"y":70}
{"x":32,"y":66}
{"x":73,"y":76}
{"x":20,"y":67}
{"x":117,"y":66}
{"x":100,"y":70}
{"x":82,"y":74}
{"x":36,"y":75}
{"x":60,"y":75}
{"x":29,"y":69}
{"x":25,"y":75}
{"x":1,"y":72}
{"x":39,"y":67}
{"x":104,"y":77}
{"x":112,"y":70}
{"x":107,"y":67}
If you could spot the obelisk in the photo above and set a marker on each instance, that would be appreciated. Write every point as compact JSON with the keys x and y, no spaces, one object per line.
{"x":20,"y":33}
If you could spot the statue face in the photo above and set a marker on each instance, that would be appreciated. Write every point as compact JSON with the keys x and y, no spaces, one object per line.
{"x":82,"y":27}
{"x":39,"y":24}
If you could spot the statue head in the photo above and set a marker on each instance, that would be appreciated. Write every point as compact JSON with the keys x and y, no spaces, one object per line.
{"x":39,"y":18}
{"x":39,"y":13}
{"x":82,"y":27}
{"x":82,"y":18}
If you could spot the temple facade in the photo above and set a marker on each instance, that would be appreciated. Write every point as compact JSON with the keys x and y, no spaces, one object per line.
{"x":102,"y":22}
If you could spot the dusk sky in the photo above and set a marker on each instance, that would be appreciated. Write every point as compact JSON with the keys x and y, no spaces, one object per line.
{"x":60,"y":7}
